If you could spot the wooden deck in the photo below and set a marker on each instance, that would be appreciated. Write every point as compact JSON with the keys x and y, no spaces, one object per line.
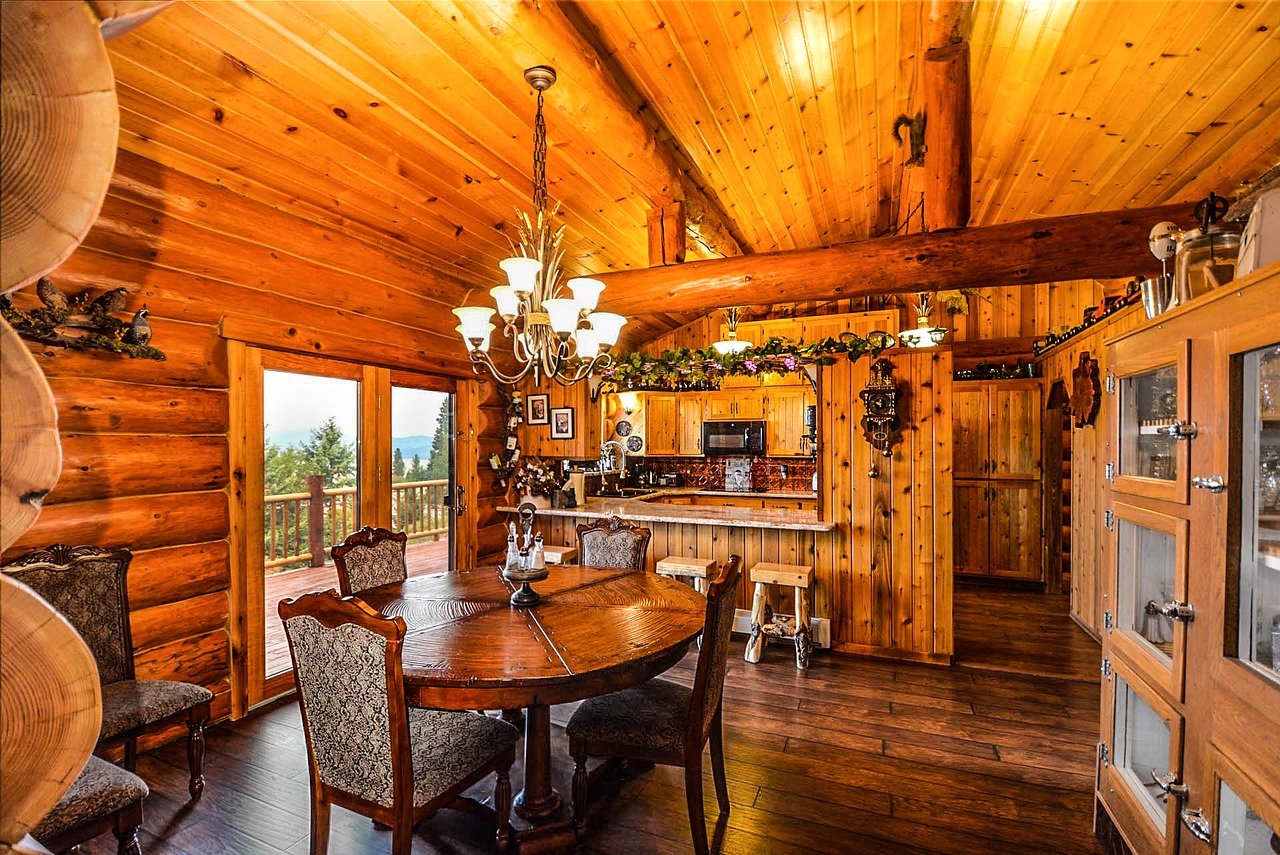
{"x":430,"y":556}
{"x":854,"y":757}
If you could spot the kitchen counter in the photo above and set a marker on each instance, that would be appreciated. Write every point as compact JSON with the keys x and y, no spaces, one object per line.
{"x":636,"y":509}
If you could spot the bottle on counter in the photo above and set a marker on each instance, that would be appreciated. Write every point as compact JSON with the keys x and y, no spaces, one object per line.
{"x":539,"y":561}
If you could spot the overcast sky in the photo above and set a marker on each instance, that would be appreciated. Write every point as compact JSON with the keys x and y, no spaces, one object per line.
{"x":293,"y":404}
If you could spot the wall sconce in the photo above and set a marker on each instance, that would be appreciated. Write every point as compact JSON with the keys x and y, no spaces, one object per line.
{"x":630,"y":402}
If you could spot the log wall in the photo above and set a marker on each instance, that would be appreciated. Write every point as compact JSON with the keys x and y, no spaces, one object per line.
{"x":146,"y":451}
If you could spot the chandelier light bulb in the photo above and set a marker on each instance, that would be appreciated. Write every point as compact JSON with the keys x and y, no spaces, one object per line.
{"x":586,"y":291}
{"x":608,"y":327}
{"x":588,"y":343}
{"x":508,"y":301}
{"x":483,"y":340}
{"x":564,"y":315}
{"x":522,"y":273}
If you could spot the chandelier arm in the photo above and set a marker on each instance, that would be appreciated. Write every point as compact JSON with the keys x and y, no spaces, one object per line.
{"x":481,"y":359}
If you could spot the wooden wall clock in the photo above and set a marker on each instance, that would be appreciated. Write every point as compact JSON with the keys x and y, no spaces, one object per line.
{"x":880,"y":397}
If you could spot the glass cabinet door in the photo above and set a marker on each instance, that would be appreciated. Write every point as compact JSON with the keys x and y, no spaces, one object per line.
{"x":1259,"y":619}
{"x":1149,"y":624}
{"x":1144,"y":761}
{"x":1154,"y":427}
{"x":1241,"y":829}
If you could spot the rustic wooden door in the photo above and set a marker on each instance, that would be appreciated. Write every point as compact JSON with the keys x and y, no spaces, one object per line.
{"x":969,"y":420}
{"x":1014,"y":524}
{"x":972,"y":537}
{"x":1014,"y":434}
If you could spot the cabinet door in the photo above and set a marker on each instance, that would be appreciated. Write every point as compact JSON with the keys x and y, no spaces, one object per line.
{"x":1142,"y":736}
{"x":784,"y":422}
{"x":1013,"y":439}
{"x":1152,"y":420}
{"x":720,"y":406}
{"x":749,"y":405}
{"x":689,"y":424}
{"x":779,"y":328}
{"x":1014,"y":522}
{"x":823,"y":326}
{"x":1245,"y":815}
{"x":969,"y":430}
{"x":971,"y":531}
{"x":660,"y":423}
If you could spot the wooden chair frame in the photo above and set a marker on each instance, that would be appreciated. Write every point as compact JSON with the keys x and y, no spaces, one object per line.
{"x":332,"y":611}
{"x":366,"y":537}
{"x":611,"y":526}
{"x":720,"y":593}
{"x":63,"y":558}
{"x":124,"y":824}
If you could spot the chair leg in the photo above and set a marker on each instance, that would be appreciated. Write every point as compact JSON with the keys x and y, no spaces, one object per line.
{"x":196,"y":720}
{"x":131,"y":754}
{"x":502,"y":803}
{"x":402,"y":837}
{"x":580,"y":781}
{"x":127,"y":822}
{"x":319,"y":827}
{"x":697,"y":814}
{"x":717,"y":763}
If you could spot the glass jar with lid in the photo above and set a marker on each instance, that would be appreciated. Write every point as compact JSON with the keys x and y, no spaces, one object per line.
{"x":1206,"y":260}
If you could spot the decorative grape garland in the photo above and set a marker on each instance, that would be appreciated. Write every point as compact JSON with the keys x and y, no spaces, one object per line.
{"x":690,"y":369}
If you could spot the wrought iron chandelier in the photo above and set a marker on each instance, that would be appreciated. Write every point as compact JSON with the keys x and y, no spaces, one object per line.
{"x":554,"y":327}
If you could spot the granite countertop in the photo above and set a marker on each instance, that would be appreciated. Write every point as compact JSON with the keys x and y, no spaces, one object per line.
{"x":637,"y":510}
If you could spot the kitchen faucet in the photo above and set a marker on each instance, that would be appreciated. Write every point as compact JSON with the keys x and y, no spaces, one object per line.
{"x":607,"y":458}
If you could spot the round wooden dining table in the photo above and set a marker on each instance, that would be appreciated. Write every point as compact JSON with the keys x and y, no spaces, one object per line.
{"x":594,"y":632}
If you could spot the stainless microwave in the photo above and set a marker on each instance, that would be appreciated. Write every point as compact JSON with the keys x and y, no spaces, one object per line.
{"x":732,"y":439}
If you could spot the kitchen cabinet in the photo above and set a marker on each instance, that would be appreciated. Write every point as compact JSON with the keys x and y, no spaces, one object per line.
{"x":1192,"y":549}
{"x":998,"y":490}
{"x":736,"y":405}
{"x":689,"y":416}
{"x":785,"y":433}
{"x":660,"y":423}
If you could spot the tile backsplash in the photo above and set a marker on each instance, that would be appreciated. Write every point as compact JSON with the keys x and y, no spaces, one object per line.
{"x":710,"y":473}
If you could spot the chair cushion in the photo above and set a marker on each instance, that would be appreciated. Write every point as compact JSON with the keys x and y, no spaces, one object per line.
{"x":650,"y":717}
{"x":449,"y":746}
{"x":101,"y":789}
{"x":131,"y":704}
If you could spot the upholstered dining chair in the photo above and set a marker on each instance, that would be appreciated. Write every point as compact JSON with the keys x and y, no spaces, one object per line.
{"x":368,"y":558}
{"x":367,"y":750}
{"x":665,"y":722}
{"x":88,"y":586}
{"x":612,"y":544}
{"x":102,"y":798}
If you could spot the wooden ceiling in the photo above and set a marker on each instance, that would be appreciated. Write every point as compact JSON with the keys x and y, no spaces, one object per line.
{"x":409,"y":125}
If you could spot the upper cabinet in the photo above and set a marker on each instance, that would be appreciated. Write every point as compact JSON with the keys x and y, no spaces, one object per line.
{"x":660,"y":423}
{"x":785,"y":432}
{"x":735,"y":405}
{"x":690,"y":411}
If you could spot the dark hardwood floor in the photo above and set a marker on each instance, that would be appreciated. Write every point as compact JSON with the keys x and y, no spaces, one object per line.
{"x":853,"y":757}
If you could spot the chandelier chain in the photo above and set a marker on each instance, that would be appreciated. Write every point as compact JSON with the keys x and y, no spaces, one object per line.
{"x":540,"y":162}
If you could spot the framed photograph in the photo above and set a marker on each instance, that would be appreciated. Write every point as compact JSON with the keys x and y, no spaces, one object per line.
{"x":562,"y":423}
{"x":538,"y":409}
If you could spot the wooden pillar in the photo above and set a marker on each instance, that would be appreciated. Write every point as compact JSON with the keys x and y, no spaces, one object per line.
{"x":315,"y":519}
{"x":948,"y":160}
{"x":667,"y":234}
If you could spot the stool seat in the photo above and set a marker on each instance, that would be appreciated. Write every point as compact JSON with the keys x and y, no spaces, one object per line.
{"x":764,"y":623}
{"x":559,"y":554}
{"x":685,"y":567}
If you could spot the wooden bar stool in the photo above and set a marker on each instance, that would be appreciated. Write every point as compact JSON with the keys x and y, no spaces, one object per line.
{"x":765,"y":623}
{"x":691,"y":571}
{"x":560,"y":554}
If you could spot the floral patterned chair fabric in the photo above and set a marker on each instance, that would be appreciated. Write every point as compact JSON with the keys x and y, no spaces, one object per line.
{"x":368,"y":558}
{"x":88,"y":586}
{"x":664,"y":722}
{"x":368,"y":751}
{"x":103,"y":798}
{"x":612,"y":544}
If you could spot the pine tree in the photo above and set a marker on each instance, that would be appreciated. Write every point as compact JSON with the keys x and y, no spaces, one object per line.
{"x":330,"y":456}
{"x":416,"y":472}
{"x":397,"y":464}
{"x":438,"y":467}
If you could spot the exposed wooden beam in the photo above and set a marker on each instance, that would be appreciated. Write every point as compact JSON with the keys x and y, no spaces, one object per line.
{"x":1105,"y":245}
{"x":666,"y":234}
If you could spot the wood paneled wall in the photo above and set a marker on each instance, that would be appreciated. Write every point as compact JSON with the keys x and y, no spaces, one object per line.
{"x":145,"y":443}
{"x":1088,"y":456}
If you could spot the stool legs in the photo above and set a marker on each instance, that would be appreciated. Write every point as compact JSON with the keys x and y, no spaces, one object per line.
{"x":755,"y":641}
{"x":804,"y":629}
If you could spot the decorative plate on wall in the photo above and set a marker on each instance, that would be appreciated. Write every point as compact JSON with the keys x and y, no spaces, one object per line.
{"x":622,"y":428}
{"x":635,"y":444}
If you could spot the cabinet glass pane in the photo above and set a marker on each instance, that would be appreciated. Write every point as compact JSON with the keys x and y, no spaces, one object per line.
{"x":1240,"y":830}
{"x":1259,"y":634}
{"x":1142,"y":740}
{"x":1149,"y":402}
{"x":1147,"y":561}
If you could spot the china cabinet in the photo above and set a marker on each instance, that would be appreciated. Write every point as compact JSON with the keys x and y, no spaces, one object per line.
{"x":1191,"y":644}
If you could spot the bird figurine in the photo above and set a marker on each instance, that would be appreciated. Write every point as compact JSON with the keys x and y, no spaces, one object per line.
{"x":139,"y":331}
{"x":51,"y":295}
{"x":109,"y":303}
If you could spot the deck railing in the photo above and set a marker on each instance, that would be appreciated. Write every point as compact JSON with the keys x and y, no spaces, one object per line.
{"x":298,"y":528}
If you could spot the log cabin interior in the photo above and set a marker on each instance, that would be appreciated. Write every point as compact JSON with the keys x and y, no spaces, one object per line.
{"x":641,"y":426}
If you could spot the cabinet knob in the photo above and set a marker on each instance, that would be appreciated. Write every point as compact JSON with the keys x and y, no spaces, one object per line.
{"x":1173,"y":610}
{"x":1168,"y":783}
{"x":1179,"y":430}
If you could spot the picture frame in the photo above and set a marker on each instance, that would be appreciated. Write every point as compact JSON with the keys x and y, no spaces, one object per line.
{"x":538,"y":412}
{"x":562,"y":423}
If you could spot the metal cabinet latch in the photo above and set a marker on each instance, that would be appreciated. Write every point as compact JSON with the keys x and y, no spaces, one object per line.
{"x":1168,"y":783}
{"x":1173,"y":610}
{"x":1196,"y":822}
{"x":1212,"y":483}
{"x":1179,"y":430}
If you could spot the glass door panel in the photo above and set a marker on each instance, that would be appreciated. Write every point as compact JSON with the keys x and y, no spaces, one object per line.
{"x":1142,"y":740}
{"x":311,"y":466}
{"x":1259,"y":618}
{"x":422,"y":482}
{"x":1241,"y":830}
{"x":1148,"y":407}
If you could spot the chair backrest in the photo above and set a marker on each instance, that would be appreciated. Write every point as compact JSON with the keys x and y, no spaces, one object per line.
{"x":368,"y":558}
{"x":346,"y":660}
{"x":613,"y":544}
{"x":713,"y":659}
{"x":87,"y":587}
